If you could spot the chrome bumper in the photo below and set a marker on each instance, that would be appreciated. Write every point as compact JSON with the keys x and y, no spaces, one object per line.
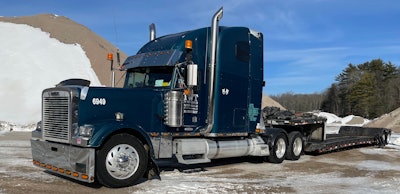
{"x":70,"y":161}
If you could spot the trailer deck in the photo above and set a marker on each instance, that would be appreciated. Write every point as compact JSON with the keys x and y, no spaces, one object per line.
{"x":335,"y":142}
{"x":316,"y":141}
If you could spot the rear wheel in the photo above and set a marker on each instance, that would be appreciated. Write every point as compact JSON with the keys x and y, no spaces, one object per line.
{"x":386,"y":138}
{"x":121,"y":162}
{"x":295,"y":148}
{"x":278,"y":150}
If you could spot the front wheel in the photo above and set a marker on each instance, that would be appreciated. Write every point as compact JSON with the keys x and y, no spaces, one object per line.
{"x":278,"y":151}
{"x":121,"y":162}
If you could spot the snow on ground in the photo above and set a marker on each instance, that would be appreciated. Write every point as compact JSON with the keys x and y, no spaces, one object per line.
{"x":30,"y":62}
{"x":251,"y":178}
{"x":7,"y":126}
{"x":394,"y":141}
{"x":376,"y":175}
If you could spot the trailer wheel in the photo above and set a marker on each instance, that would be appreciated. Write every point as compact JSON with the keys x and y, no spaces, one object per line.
{"x":121,"y":161}
{"x":278,"y":151}
{"x":295,"y":148}
{"x":386,"y":138}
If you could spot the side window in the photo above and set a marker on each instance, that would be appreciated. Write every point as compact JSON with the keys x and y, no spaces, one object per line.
{"x":135,"y":79}
{"x":243,"y":51}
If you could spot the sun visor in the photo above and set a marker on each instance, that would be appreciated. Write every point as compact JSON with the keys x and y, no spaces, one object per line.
{"x":156,"y":58}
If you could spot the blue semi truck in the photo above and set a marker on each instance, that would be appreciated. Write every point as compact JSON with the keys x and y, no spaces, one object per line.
{"x":188,"y":98}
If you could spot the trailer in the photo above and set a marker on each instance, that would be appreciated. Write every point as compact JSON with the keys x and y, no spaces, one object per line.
{"x":316,"y":140}
{"x":188,"y":98}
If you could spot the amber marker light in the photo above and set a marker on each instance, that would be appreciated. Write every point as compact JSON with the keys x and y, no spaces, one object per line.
{"x":110,"y":56}
{"x":186,"y":91}
{"x":188,"y":44}
{"x":75,"y":174}
{"x":84,"y":176}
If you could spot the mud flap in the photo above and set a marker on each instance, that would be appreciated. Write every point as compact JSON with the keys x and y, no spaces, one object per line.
{"x":153,"y":172}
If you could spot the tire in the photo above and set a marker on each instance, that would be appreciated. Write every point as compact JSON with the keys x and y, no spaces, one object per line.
{"x":278,"y":151}
{"x":296,"y":146}
{"x":386,"y":138}
{"x":121,"y":162}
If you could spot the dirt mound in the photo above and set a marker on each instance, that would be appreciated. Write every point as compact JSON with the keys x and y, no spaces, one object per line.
{"x":390,"y":120}
{"x":268,"y":101}
{"x":70,"y":32}
{"x":356,"y":120}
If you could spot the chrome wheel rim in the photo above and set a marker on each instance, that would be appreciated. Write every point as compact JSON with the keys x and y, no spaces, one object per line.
{"x":122,"y":161}
{"x":297,"y":146}
{"x":280,"y":148}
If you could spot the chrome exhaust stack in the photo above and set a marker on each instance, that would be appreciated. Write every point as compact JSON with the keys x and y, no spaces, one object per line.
{"x":214,"y":39}
{"x":152,"y":28}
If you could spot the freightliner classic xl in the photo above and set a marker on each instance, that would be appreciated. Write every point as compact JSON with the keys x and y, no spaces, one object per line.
{"x":188,"y":98}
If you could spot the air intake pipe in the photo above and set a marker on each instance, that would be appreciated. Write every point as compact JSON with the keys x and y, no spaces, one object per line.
{"x":214,"y":39}
{"x":152,"y":28}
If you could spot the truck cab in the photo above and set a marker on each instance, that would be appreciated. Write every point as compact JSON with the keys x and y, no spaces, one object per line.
{"x":166,"y":66}
{"x":188,"y":98}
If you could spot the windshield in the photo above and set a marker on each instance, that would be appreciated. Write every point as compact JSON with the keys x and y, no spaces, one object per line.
{"x":149,"y":77}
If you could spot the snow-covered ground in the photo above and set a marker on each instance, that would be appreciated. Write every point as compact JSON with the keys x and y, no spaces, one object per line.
{"x":30,"y":62}
{"x":363,"y":170}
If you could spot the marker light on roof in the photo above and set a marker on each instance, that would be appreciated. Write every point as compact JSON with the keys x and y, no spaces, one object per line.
{"x":110,"y":56}
{"x":188,"y":44}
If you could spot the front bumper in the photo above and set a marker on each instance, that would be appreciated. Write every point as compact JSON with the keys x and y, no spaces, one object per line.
{"x":67,"y":160}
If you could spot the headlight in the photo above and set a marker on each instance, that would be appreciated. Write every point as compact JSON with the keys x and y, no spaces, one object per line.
{"x":86,"y":130}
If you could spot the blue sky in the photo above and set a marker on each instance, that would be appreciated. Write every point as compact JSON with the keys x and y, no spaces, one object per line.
{"x":306,"y":42}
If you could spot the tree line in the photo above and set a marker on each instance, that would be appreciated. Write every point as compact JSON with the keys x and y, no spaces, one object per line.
{"x":369,"y":90}
{"x":300,"y":102}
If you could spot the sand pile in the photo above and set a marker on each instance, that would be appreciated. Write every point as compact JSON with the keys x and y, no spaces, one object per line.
{"x":70,"y":32}
{"x":390,"y":120}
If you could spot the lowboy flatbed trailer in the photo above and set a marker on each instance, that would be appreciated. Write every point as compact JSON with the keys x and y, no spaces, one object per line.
{"x":315,"y":138}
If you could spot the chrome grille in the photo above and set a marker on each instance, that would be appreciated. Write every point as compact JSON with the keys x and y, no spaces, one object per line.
{"x":56,"y":116}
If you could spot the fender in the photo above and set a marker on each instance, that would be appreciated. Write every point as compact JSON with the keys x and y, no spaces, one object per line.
{"x":103,"y":130}
{"x":270,"y":135}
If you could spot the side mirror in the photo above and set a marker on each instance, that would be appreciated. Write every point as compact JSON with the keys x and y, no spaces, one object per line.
{"x":191,"y":77}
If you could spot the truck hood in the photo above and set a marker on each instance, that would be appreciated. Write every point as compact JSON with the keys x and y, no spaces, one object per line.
{"x":142,"y":107}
